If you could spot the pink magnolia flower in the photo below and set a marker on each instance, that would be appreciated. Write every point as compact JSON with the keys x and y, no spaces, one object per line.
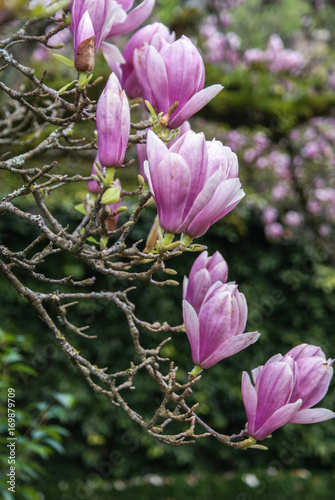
{"x":253,"y":56}
{"x":194,"y":183}
{"x":175,"y":73}
{"x":293,"y":218}
{"x":285,"y":390}
{"x":93,"y":21}
{"x":215,"y":330}
{"x":270,"y":214}
{"x":274,"y":230}
{"x":204,"y":273}
{"x":113,"y":124}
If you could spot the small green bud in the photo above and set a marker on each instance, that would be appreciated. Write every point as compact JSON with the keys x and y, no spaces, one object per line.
{"x":171,"y":283}
{"x":120,"y":210}
{"x":141,"y":180}
{"x":172,"y":246}
{"x":196,"y":248}
{"x":128,"y":224}
{"x":176,"y":254}
{"x":170,"y":271}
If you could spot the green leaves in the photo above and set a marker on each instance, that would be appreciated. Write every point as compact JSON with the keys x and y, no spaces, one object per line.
{"x":64,"y":60}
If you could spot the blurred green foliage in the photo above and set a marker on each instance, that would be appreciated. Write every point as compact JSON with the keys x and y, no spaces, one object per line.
{"x":37,"y":430}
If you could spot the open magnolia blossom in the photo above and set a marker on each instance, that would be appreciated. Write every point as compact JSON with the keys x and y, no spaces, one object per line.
{"x":194,"y":183}
{"x":173,"y":73}
{"x":216,"y":331}
{"x":215,"y":313}
{"x":286,"y":388}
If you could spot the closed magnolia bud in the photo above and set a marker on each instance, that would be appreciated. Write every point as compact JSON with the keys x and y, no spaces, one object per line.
{"x":85,"y":57}
{"x":113,"y":124}
{"x":84,"y":45}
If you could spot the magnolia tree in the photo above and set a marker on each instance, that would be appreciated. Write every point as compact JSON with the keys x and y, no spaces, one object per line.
{"x":192,"y":181}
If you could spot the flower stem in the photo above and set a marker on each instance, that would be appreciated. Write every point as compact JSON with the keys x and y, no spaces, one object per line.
{"x":195,"y":372}
{"x":109,"y":176}
{"x":168,"y":237}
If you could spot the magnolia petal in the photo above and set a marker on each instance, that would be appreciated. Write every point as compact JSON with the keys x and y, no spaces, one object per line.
{"x":212,"y":290}
{"x":199,"y":263}
{"x":231,"y":201}
{"x":134,"y":19}
{"x":84,"y":31}
{"x":218,"y":319}
{"x":312,"y":416}
{"x":126,"y":4}
{"x":185,"y":70}
{"x":279,"y":418}
{"x":218,"y":154}
{"x":314,"y":376}
{"x":147,"y":176}
{"x":113,"y":123}
{"x":171,"y":182}
{"x":249,"y":396}
{"x":243,"y":312}
{"x":225,"y":198}
{"x":191,"y":322}
{"x":192,"y":147}
{"x":256,"y":371}
{"x":156,"y":149}
{"x":230,"y":347}
{"x":114,"y":14}
{"x":274,"y":387}
{"x":158,"y":80}
{"x":201,"y":200}
{"x":305,"y":350}
{"x":198,"y":289}
{"x":197,"y":102}
{"x":111,"y":51}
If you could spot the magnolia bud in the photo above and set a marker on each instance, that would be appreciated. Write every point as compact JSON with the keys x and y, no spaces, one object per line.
{"x":111,"y":196}
{"x":113,"y":124}
{"x":85,"y":56}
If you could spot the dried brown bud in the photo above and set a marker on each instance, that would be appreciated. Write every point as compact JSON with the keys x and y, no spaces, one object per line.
{"x":85,"y":57}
